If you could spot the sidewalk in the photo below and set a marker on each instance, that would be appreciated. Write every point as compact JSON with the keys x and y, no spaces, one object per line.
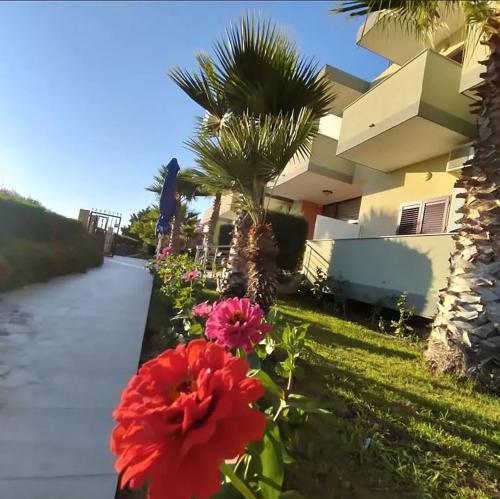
{"x":67,"y":348}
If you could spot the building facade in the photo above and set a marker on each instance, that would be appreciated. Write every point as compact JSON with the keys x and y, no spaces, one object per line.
{"x":378,"y":189}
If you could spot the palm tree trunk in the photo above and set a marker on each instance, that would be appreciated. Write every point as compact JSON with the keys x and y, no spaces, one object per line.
{"x":235,"y":281}
{"x":262,"y":265}
{"x":465,"y":338}
{"x":175,"y":235}
{"x":214,"y":218}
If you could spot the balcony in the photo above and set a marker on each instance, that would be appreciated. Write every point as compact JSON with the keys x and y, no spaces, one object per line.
{"x":382,"y":33}
{"x":415,"y":114}
{"x":322,"y":177}
{"x":345,"y":86}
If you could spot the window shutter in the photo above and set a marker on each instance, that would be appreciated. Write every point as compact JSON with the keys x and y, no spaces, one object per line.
{"x":408,"y":223}
{"x":433,"y":218}
{"x":348,"y":210}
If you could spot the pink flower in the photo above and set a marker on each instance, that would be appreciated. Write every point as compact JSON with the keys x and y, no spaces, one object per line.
{"x":202,"y":309}
{"x":191,"y":275}
{"x":236,"y":323}
{"x":167,"y":250}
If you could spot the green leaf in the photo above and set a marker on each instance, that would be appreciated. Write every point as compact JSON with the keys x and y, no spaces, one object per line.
{"x":196,"y":329}
{"x":306,"y":404}
{"x":269,"y":384}
{"x":272,"y":473}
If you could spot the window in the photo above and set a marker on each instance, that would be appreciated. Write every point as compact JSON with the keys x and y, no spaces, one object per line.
{"x":426,"y":217}
{"x":343,"y":210}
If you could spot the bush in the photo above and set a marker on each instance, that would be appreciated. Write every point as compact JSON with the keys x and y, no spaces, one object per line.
{"x":291,"y":233}
{"x":36,"y":245}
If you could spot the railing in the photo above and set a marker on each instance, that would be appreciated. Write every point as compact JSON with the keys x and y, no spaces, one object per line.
{"x":212,"y":259}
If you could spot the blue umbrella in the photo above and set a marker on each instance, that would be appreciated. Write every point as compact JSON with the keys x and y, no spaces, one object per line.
{"x":167,"y":198}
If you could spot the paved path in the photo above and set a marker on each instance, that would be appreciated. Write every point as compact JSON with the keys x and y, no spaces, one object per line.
{"x":67,"y":348}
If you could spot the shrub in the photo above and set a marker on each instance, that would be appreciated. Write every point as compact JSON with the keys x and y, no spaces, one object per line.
{"x":36,"y":245}
{"x":290,"y":232}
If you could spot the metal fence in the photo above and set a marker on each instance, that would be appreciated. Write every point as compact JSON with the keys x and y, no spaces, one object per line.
{"x":212,"y":259}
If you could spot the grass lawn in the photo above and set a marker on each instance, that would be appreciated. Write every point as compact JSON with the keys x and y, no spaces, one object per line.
{"x":394,"y":431}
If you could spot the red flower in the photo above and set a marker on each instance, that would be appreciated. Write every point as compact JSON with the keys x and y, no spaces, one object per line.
{"x":191,"y":275}
{"x":236,"y":323}
{"x":181,"y":416}
{"x":166,"y":251}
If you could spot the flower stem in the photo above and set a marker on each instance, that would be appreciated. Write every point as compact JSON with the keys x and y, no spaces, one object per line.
{"x":238,"y":484}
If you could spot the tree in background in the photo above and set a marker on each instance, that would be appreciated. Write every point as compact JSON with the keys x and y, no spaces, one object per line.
{"x":465,"y":337}
{"x":15,"y":196}
{"x":126,"y":229}
{"x":144,"y":227}
{"x":247,"y":155}
{"x":256,"y":74}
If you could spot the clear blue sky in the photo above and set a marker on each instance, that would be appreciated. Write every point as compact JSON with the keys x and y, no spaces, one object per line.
{"x":87,"y":112}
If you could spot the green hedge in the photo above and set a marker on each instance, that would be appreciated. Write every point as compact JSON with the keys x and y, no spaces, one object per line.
{"x":291,"y":234}
{"x":36,"y":245}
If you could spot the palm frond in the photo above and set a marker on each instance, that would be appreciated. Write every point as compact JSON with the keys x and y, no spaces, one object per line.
{"x":420,"y":18}
{"x":186,"y":187}
{"x":252,"y":152}
{"x":255,"y":69}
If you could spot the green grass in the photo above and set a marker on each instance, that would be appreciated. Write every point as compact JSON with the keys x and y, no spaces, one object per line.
{"x":396,"y":431}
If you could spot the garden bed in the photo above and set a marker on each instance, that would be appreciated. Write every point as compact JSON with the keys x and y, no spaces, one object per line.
{"x":392,"y":430}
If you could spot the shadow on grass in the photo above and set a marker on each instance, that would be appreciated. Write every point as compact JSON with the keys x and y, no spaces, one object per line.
{"x":327,"y":336}
{"x":389,"y":414}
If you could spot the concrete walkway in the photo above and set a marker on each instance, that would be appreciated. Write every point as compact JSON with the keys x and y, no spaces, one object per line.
{"x":67,"y":349}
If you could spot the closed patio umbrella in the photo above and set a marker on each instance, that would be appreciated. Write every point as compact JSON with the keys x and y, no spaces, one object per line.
{"x":167,"y":199}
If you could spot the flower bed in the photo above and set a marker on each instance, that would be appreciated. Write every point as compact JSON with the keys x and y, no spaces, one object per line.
{"x":362,"y":418}
{"x":213,"y":406}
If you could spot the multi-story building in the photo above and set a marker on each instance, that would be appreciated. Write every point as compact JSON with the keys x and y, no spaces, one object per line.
{"x":378,"y":187}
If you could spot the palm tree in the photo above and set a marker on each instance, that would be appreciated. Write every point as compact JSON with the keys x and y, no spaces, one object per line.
{"x":187,"y":190}
{"x":244,"y":157}
{"x":257,"y":71}
{"x":465,"y":338}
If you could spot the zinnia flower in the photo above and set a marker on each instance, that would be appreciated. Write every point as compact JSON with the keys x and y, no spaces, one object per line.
{"x":202,"y":309}
{"x":236,"y":323}
{"x":181,"y":417}
{"x":191,"y":275}
{"x":167,"y":250}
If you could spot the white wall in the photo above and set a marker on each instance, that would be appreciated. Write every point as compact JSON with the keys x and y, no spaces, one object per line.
{"x":383,"y":267}
{"x":330,"y":126}
{"x":332,"y":228}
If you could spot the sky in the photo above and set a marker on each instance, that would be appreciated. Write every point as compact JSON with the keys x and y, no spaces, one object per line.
{"x":87,"y":111}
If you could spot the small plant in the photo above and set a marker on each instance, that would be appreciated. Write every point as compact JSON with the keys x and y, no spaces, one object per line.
{"x":401,"y":328}
{"x":322,"y":288}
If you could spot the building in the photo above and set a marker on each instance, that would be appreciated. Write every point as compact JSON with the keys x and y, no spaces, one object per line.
{"x":378,"y":187}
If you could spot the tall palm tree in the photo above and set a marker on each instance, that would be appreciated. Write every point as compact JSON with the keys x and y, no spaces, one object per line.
{"x":244,"y":157}
{"x":187,"y":190}
{"x":208,"y":240}
{"x":257,"y":71}
{"x":465,"y":338}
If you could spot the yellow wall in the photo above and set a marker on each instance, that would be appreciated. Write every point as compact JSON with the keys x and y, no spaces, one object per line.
{"x":384,"y":193}
{"x":471,"y":68}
